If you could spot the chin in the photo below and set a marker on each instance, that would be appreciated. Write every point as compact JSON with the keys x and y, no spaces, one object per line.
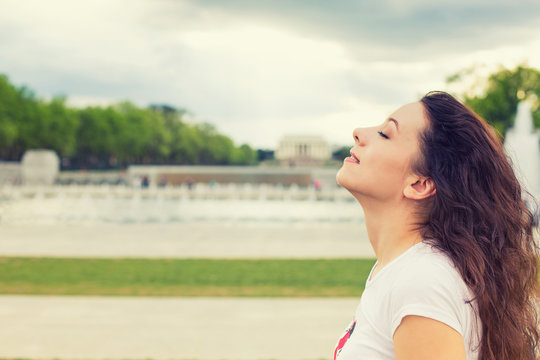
{"x":344,"y":179}
{"x":339,"y":176}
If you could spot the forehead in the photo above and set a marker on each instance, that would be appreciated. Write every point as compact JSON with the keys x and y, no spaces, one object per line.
{"x":411,"y":119}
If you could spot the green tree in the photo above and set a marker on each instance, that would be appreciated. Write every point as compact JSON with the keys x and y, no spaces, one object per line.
{"x":216,"y":148}
{"x":500,"y":94}
{"x":341,"y":153}
{"x":144,"y":135}
{"x":58,"y":127}
{"x":187,"y":145}
{"x":10,"y":108}
{"x":244,"y":155}
{"x":183,"y":141}
{"x":95,"y":136}
{"x":20,"y":122}
{"x":101,"y":137}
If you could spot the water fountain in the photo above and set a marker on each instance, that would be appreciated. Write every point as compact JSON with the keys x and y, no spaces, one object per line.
{"x":522,"y":144}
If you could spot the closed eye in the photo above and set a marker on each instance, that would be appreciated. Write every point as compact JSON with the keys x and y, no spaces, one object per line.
{"x":383,"y":135}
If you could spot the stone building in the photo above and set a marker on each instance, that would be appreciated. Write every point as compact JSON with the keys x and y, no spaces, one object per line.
{"x":303,"y":150}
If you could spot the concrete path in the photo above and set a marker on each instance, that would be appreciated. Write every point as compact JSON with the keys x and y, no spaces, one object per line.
{"x":179,"y":240}
{"x":47,"y":327}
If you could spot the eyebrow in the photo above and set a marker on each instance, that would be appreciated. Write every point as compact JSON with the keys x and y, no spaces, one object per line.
{"x":395,"y":122}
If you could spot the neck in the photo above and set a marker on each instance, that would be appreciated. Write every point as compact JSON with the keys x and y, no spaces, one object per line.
{"x":390,"y":229}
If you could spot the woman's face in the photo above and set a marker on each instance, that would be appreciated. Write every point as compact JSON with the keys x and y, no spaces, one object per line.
{"x":384,"y":155}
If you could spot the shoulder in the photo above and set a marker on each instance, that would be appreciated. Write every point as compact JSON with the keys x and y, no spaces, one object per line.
{"x":427,"y":284}
{"x":427,"y":267}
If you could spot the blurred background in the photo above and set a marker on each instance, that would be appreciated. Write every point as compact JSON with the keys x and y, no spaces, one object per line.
{"x":167,"y":168}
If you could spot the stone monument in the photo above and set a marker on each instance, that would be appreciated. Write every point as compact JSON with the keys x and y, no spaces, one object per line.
{"x":39,"y":167}
{"x":303,"y":150}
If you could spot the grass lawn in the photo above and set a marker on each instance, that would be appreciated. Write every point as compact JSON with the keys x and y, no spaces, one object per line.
{"x":184,"y":277}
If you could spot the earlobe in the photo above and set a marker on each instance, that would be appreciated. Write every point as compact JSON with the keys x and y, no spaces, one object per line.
{"x":420,"y":188}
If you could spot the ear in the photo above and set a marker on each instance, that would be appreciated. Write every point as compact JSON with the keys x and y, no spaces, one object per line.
{"x":419,"y":187}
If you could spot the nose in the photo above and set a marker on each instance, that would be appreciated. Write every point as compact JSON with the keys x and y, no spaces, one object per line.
{"x":359,"y":136}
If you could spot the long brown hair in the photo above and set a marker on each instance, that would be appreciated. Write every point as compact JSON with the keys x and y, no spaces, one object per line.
{"x":479,"y":219}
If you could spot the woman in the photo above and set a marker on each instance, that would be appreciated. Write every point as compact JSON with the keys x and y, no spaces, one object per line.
{"x":456,"y":263}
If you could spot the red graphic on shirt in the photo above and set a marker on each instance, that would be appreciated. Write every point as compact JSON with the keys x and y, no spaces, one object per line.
{"x":343,"y":340}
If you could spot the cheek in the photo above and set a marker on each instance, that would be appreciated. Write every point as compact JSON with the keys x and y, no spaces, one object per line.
{"x":383,"y":162}
{"x":377,"y":170}
{"x":397,"y":169}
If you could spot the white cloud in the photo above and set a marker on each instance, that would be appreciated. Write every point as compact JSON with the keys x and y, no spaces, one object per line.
{"x":256,"y":71}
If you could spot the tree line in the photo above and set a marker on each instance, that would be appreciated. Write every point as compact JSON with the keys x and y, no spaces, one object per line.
{"x":122,"y":134}
{"x":98,"y":137}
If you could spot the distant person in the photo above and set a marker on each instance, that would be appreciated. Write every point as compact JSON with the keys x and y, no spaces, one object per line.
{"x":456,"y":266}
{"x":145,"y":182}
{"x":189,"y":183}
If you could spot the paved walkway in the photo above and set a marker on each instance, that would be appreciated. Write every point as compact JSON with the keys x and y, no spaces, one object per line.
{"x":47,"y":327}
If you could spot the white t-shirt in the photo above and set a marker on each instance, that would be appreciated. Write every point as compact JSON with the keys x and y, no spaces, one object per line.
{"x":421,"y":281}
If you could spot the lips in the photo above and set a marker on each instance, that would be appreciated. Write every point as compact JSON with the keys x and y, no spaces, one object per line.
{"x":353,"y":158}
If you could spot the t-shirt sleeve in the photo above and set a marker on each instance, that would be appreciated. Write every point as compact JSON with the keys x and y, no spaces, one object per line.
{"x":433,"y":294}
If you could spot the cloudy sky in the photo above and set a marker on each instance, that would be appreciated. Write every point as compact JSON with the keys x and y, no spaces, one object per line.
{"x":262,"y":69}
